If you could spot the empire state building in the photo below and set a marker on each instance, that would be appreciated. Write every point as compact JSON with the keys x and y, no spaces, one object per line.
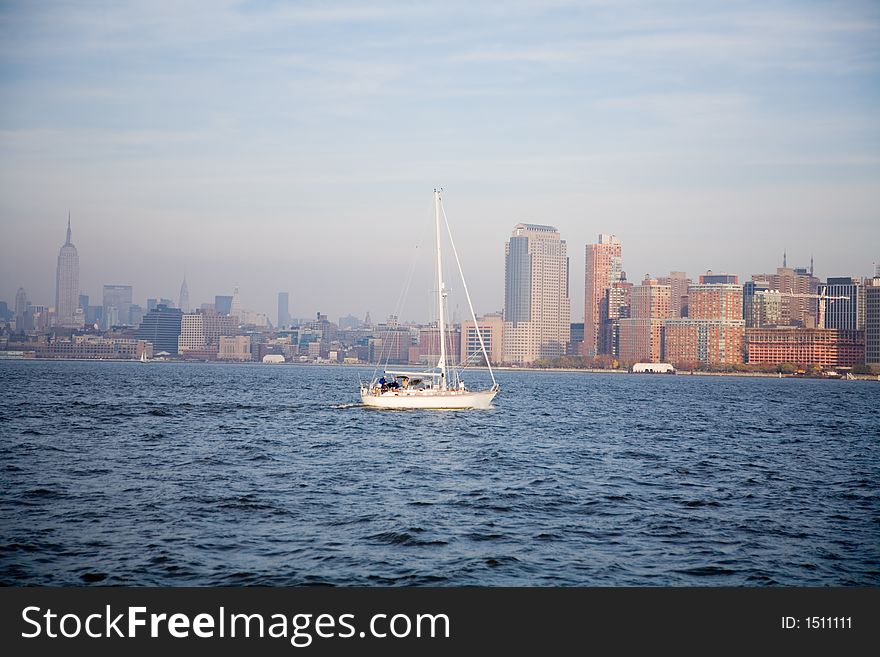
{"x":67,"y":284}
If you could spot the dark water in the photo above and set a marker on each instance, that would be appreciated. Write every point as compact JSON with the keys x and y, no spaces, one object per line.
{"x":197,"y":474}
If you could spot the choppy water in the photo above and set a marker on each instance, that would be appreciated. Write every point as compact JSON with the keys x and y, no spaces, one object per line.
{"x":198,"y":474}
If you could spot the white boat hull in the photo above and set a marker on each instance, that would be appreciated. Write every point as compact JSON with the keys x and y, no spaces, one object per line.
{"x":430,"y":399}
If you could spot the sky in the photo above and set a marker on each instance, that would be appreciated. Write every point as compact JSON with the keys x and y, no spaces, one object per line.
{"x":295,"y":146}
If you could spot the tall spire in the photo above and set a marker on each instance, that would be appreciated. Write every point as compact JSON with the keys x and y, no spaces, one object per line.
{"x":235,"y":307}
{"x":183,"y":300}
{"x":67,"y":283}
{"x":811,"y":264}
{"x":784,"y":259}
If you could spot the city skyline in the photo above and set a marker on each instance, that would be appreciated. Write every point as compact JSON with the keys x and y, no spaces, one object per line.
{"x":265,"y":145}
{"x":68,"y":252}
{"x":774,"y":319}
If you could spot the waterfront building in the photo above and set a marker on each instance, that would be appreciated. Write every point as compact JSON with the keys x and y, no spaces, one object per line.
{"x":678,"y":283}
{"x":640,"y":340}
{"x":67,"y":285}
{"x":872,"y":320}
{"x":392,"y":348}
{"x":715,"y":301}
{"x":805,"y":346}
{"x":427,"y":351}
{"x":200,"y":333}
{"x":712,"y":333}
{"x":491,"y":327}
{"x":283,"y":310}
{"x":641,"y":335}
{"x":161,"y":327}
{"x":537,"y":307}
{"x":687,"y":342}
{"x":800,"y":309}
{"x":315,"y":349}
{"x":235,"y":348}
{"x":761,"y":305}
{"x":848,"y":313}
{"x":95,"y":347}
{"x":615,"y":306}
{"x":602,"y":267}
{"x":116,"y":305}
{"x":389,"y":342}
{"x":192,"y":333}
{"x":216,"y":326}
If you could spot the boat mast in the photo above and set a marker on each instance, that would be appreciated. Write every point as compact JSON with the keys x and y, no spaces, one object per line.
{"x":440,"y":292}
{"x":468,"y":296}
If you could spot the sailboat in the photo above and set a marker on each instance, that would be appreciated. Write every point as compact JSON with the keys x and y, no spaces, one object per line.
{"x":441,"y":387}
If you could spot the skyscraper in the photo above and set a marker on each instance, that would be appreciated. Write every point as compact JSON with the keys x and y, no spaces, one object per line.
{"x":796,"y":310}
{"x":713,"y":330}
{"x":200,"y":333}
{"x":235,"y":306}
{"x":537,"y":307}
{"x":161,"y":326}
{"x":222,"y":304}
{"x":183,"y":300}
{"x":602,"y":268}
{"x":872,"y":319}
{"x":641,"y":334}
{"x":842,"y":313}
{"x":67,"y":285}
{"x":283,"y":309}
{"x":117,"y":304}
{"x":615,"y":306}
{"x":761,"y":305}
{"x":678,"y":283}
{"x":21,"y":308}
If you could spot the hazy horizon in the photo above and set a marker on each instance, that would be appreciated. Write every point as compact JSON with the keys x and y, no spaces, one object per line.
{"x":295,"y":147}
